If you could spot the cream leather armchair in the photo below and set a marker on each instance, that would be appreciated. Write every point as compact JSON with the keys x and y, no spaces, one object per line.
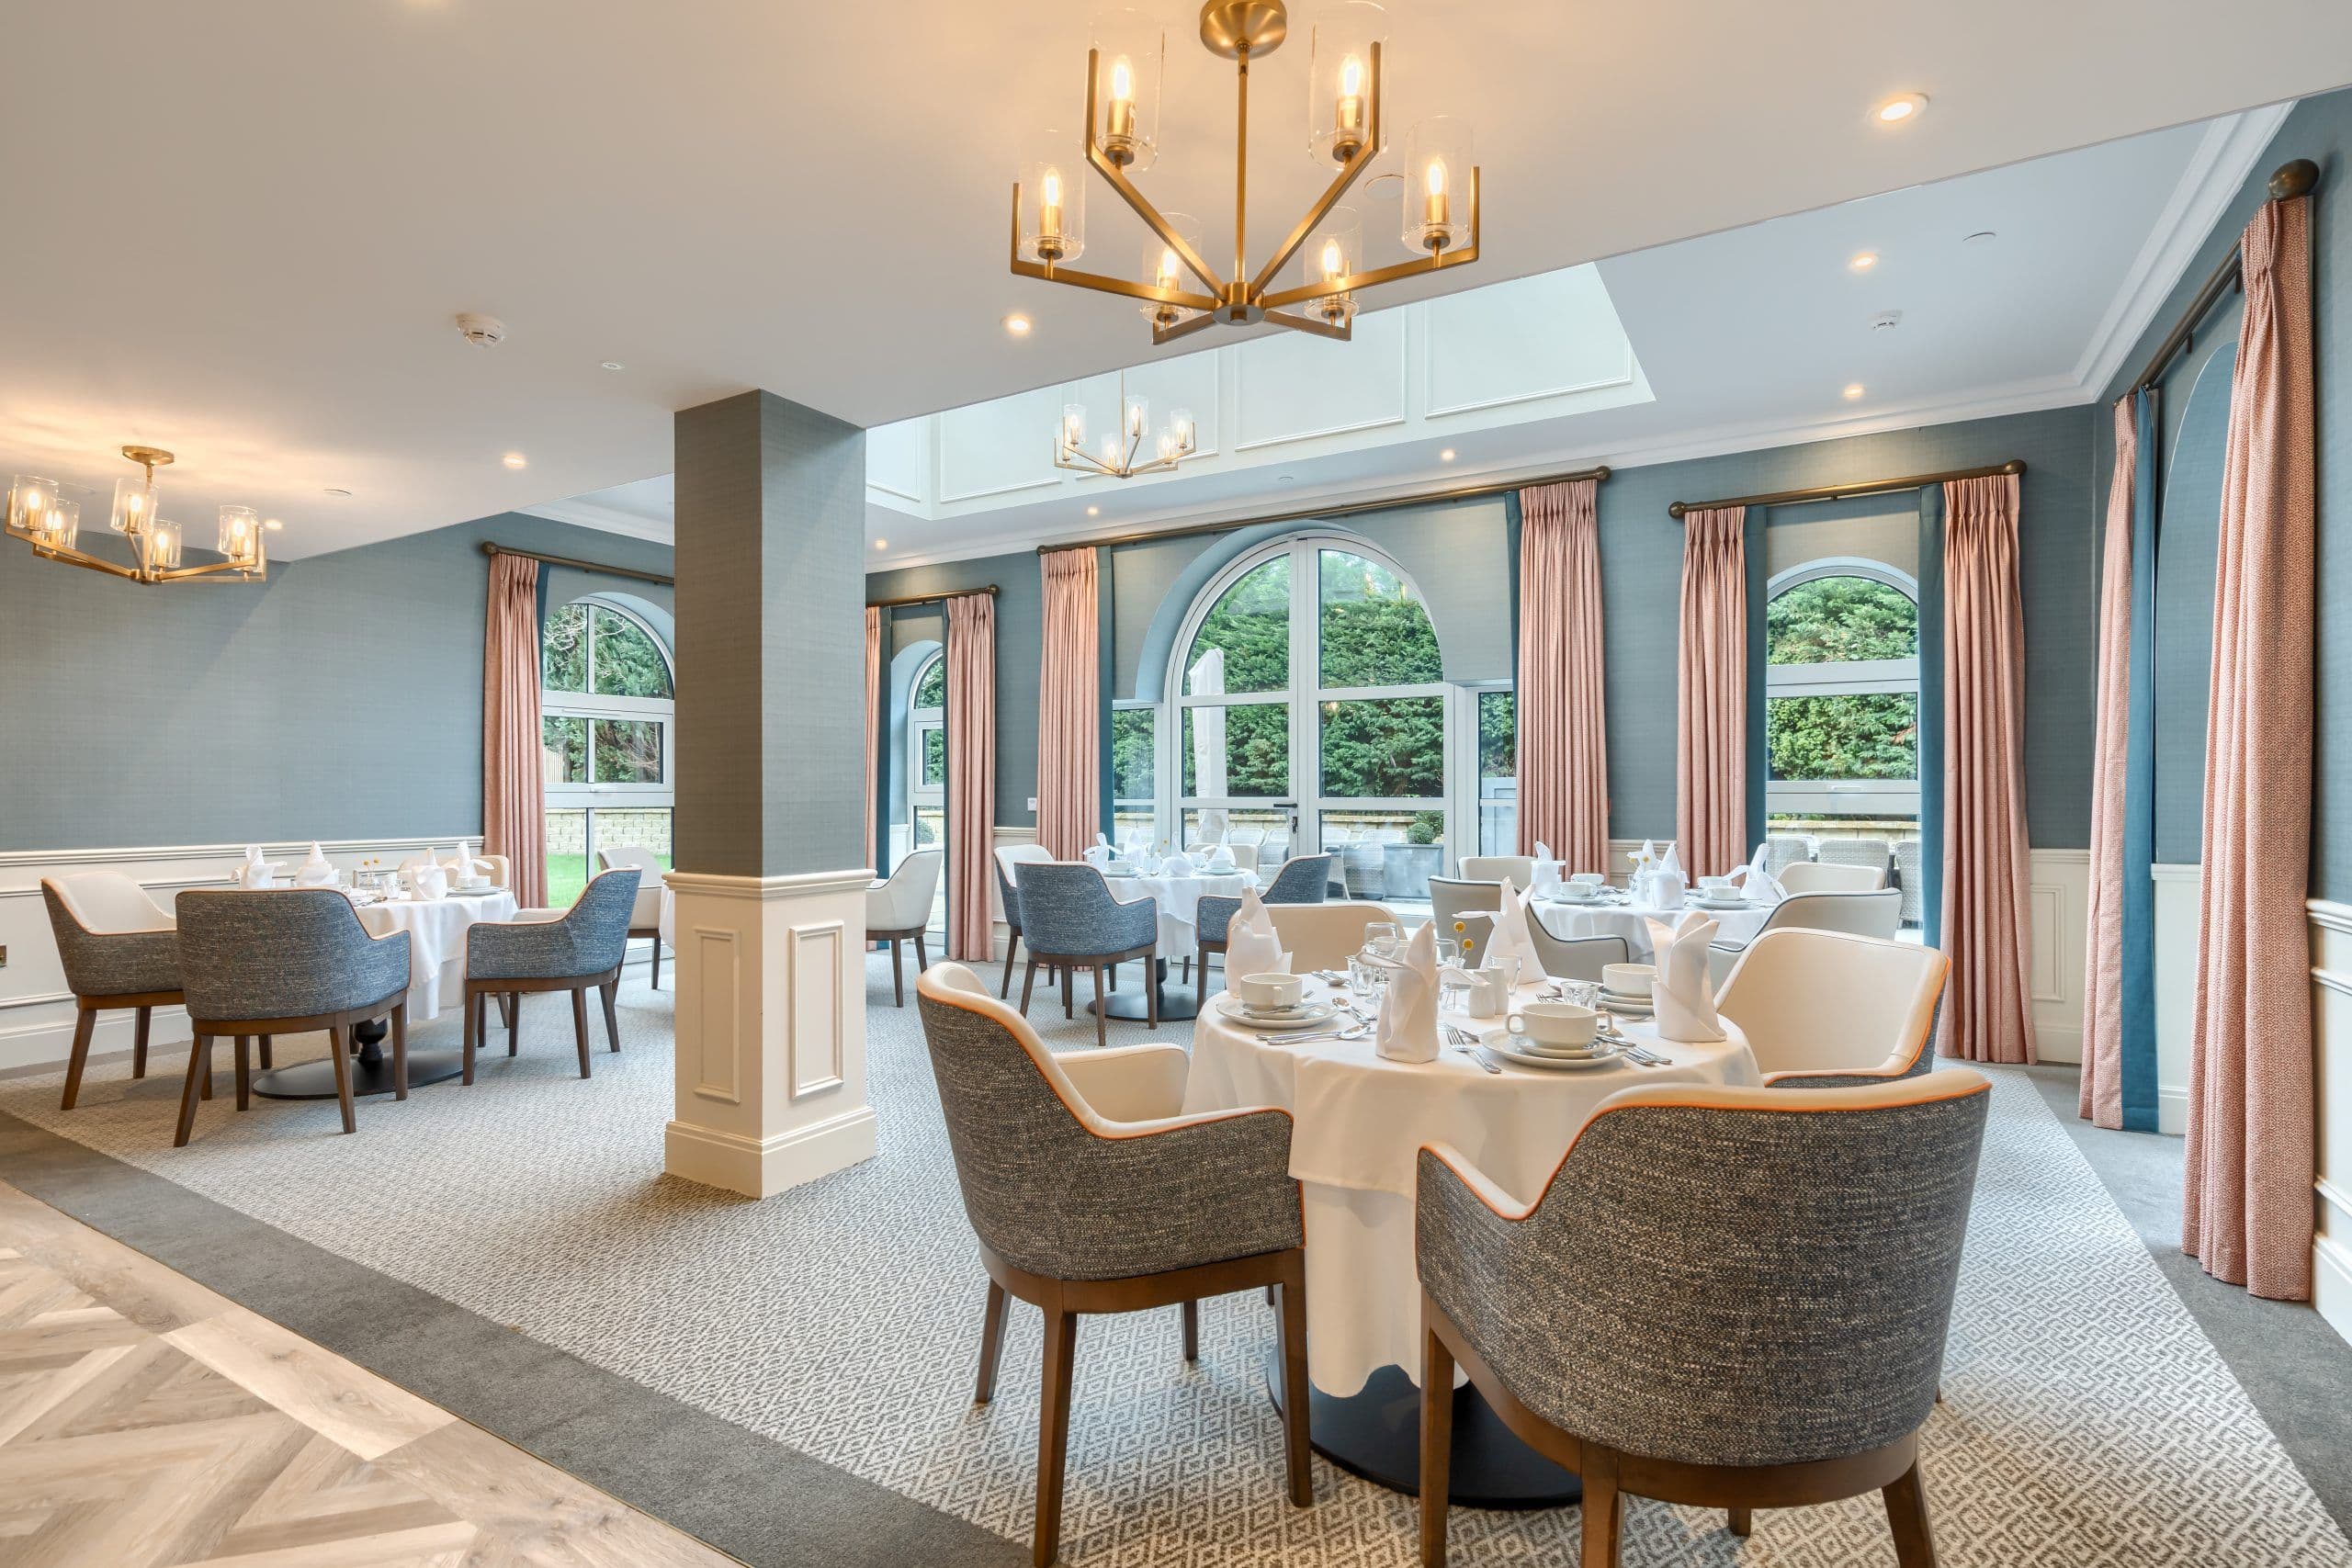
{"x":1830,"y":1008}
{"x":645,"y":916}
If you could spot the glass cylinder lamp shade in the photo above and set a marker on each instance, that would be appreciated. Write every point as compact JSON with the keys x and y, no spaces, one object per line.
{"x":1338,"y":80}
{"x":1437,"y":185}
{"x":134,"y":506}
{"x":160,"y":545}
{"x":1053,"y":212}
{"x":1163,"y":269}
{"x":63,"y":523}
{"x":1130,"y":57}
{"x":1177,"y":440}
{"x":30,"y":501}
{"x":241,"y":536}
{"x":1072,"y":439}
{"x":1333,"y":251}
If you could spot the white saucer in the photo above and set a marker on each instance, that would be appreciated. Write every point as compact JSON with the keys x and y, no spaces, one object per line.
{"x":1549,"y":1064}
{"x":1723,"y":903}
{"x":1627,"y":1007}
{"x":1306,"y":1015}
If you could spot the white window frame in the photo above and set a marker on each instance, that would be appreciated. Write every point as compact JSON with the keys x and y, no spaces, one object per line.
{"x":1861,"y":677}
{"x":919,"y":723}
{"x":588,"y":707}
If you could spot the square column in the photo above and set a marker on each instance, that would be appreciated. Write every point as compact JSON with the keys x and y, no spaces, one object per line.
{"x":769,"y":850}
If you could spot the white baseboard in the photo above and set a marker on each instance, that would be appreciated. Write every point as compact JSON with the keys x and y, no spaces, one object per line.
{"x":761,"y":1167}
{"x":2331,"y":1285}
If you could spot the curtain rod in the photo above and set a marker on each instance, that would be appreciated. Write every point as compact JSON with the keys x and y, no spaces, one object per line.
{"x":2287,"y":181}
{"x":1839,"y":492}
{"x":1463,"y":493}
{"x":989,"y":589}
{"x":490,"y":549}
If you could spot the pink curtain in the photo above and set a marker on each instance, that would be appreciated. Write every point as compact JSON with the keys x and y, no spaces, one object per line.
{"x":1563,"y":744}
{"x":1711,"y":681}
{"x":971,"y":773}
{"x":873,"y":728}
{"x":1069,"y":711}
{"x":2102,"y":1090}
{"x":2247,"y":1211}
{"x":514,"y":766}
{"x":1987,"y":1013}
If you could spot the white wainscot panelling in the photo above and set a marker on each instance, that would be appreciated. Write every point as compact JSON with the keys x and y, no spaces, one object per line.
{"x":1532,"y":338}
{"x":897,"y":458}
{"x":2058,"y":888}
{"x":37,"y":1010}
{"x":999,"y":447}
{"x":2332,"y":1037}
{"x":1291,"y":387}
{"x":2176,"y":960}
{"x":1188,"y":381}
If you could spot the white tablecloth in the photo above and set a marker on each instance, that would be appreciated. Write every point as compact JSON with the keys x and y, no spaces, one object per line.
{"x":436,"y":944}
{"x":1179,"y":899}
{"x":1358,"y":1124}
{"x":1734,"y":928}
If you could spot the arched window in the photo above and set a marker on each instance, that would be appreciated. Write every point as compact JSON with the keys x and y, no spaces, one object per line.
{"x":1307,"y":706}
{"x":1842,"y":707}
{"x":927,"y":752}
{"x":607,"y":703}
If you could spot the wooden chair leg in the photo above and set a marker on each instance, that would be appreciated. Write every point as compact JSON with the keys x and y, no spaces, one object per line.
{"x":923,"y":958}
{"x":1101,"y":1013}
{"x":1741,"y":1521}
{"x":337,"y":1042}
{"x":1295,"y":1398}
{"x":579,"y":1026}
{"x":1201,"y":985}
{"x":204,"y":1084}
{"x":1906,"y":1513}
{"x":85,"y":1023}
{"x":657,"y":968}
{"x":1069,"y":1007}
{"x":513,"y":1010}
{"x":1004,"y":992}
{"x":898,"y":977}
{"x":1028,"y":978}
{"x":1053,"y":1432}
{"x":611,"y":991}
{"x":244,"y":1072}
{"x":992,"y":1344}
{"x":1192,"y":1311}
{"x":1437,"y":1445}
{"x":399,"y":1050}
{"x":198,"y":1049}
{"x":265,"y":1061}
{"x":142,"y":1022}
{"x":473,"y":1022}
{"x":1188,"y":971}
{"x":1151,"y":989}
{"x":1604,"y":1510}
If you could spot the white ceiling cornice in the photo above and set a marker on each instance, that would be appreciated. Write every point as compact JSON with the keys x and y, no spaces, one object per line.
{"x":585,"y":514}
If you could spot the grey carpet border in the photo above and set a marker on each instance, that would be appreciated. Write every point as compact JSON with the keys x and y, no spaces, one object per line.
{"x":757,"y":1499}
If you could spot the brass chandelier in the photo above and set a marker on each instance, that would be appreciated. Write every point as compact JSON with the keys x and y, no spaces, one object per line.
{"x":48,"y":517}
{"x":1345,"y":129}
{"x":1116,"y":458}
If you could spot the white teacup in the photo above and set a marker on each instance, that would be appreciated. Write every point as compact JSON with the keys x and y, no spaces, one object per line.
{"x":1562,"y":1024}
{"x":1628,"y":979}
{"x":1716,"y":887}
{"x":1588,"y":879}
{"x":1271,"y":992}
{"x":1579,"y":892}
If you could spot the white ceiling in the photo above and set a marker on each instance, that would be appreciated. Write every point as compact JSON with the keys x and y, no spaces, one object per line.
{"x":263,"y":213}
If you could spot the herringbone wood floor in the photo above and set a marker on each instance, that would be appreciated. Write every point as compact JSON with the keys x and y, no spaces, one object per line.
{"x":146,"y":1421}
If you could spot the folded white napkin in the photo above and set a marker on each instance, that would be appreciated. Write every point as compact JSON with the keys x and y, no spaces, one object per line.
{"x":1683,"y":995}
{"x":1545,"y":875}
{"x":1511,"y":939}
{"x":315,"y":871}
{"x":1671,"y":861}
{"x":1407,"y":1028}
{"x":1178,"y":863}
{"x":1543,"y":850}
{"x":464,"y":867}
{"x":1759,"y":884}
{"x":256,"y":872}
{"x":1099,"y":854}
{"x":429,"y":882}
{"x":1251,"y":946}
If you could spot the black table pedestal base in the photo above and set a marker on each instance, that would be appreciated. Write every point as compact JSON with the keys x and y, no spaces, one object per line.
{"x":1175,"y":1003}
{"x":1376,"y":1434}
{"x":371,"y":1070}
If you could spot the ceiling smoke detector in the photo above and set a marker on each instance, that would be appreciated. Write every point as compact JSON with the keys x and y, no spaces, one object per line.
{"x":483,"y":332}
{"x":1886,"y":320}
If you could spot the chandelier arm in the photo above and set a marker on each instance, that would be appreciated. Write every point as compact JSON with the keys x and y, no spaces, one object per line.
{"x":1308,"y":324}
{"x":1134,"y":199}
{"x":1102,"y":285}
{"x":1182,"y":329}
{"x":1241,"y":163}
{"x":72,"y":557}
{"x":1373,"y":279}
{"x":210,"y":568}
{"x":1349,"y":174}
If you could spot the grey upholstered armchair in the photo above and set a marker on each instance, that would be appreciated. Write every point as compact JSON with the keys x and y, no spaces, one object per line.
{"x":1069,"y":919}
{"x":1576,"y":957}
{"x":119,"y":950}
{"x":1703,"y":1306}
{"x":285,"y":962}
{"x":1009,"y":859}
{"x":1090,"y":1192}
{"x":1305,"y":880}
{"x":552,"y":950}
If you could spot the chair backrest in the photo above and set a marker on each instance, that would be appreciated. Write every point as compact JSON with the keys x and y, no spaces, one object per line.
{"x":647,"y":910}
{"x":112,"y":938}
{"x":105,"y":902}
{"x":591,"y":938}
{"x":1324,"y":936}
{"x":1876,"y":853}
{"x":1303,"y":879}
{"x":1824,"y":1002}
{"x":1783,"y":850}
{"x":1521,"y":869}
{"x":1245,"y":857}
{"x":1016,"y":1125}
{"x":1752,"y":1277}
{"x":1826,"y":877}
{"x":1877,"y":913}
{"x":1576,"y":958}
{"x":288,"y":953}
{"x":904,"y":901}
{"x":1008,"y":858}
{"x":1910,"y":867}
{"x":1067,"y":909}
{"x":1450,"y":900}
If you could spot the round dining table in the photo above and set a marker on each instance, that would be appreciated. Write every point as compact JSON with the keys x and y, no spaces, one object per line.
{"x":1179,"y":901}
{"x":1616,"y":914}
{"x":1359,"y":1123}
{"x":437,"y":969}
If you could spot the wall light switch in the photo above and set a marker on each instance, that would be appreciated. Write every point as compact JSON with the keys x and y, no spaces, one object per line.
{"x":4,"y":957}
{"x":1033,"y":805}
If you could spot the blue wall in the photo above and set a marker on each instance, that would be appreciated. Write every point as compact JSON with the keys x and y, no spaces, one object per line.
{"x":341,"y":699}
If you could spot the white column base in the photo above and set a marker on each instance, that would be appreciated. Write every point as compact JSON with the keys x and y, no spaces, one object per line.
{"x":771,"y":1010}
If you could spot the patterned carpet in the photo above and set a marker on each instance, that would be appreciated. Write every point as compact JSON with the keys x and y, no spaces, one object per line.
{"x":2088,"y":1422}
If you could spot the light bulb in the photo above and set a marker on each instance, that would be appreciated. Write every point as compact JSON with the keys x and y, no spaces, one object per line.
{"x":1352,"y":76}
{"x":1122,"y":79}
{"x":1169,"y":262}
{"x":1437,"y":176}
{"x":1049,"y":213}
{"x":1335,"y":266}
{"x":1119,"y":130}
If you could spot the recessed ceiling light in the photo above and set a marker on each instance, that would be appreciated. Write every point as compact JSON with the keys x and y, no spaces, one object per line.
{"x":1018,"y":324}
{"x":515,"y":461}
{"x":332,"y":491}
{"x":273,"y":524}
{"x":1864,"y":260}
{"x":881,"y":543}
{"x":1094,"y":511}
{"x":1446,"y":455}
{"x":1853,"y":391}
{"x":1902,"y":107}
{"x":615,"y":365}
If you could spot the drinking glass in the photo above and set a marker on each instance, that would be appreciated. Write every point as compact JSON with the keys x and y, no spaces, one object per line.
{"x":1383,"y":938}
{"x":1583,"y":993}
{"x":1366,"y":979}
{"x":1508,"y":967}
